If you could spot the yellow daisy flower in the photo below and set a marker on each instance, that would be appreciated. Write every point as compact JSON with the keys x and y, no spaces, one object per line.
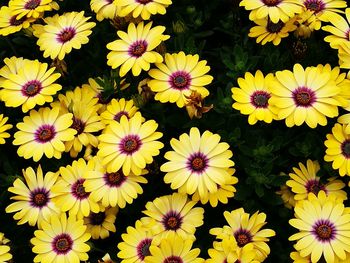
{"x":338,"y":149}
{"x":305,"y":95}
{"x":297,"y":258}
{"x":173,"y":213}
{"x":63,"y":33}
{"x":323,"y":225}
{"x":5,"y":254}
{"x":325,"y":10}
{"x":287,"y":196}
{"x":62,"y":239}
{"x":116,"y":109}
{"x":305,"y":180}
{"x":3,"y":128}
{"x":275,"y":10}
{"x":43,"y":132}
{"x":135,"y":245}
{"x":246,"y":229}
{"x":339,"y":30}
{"x":32,"y":85}
{"x":30,"y":8}
{"x":100,"y":224}
{"x":129,"y":145}
{"x":33,"y":197}
{"x":70,"y":193}
{"x":12,"y":66}
{"x":104,"y":9}
{"x":174,"y":248}
{"x":306,"y":23}
{"x":267,"y":31}
{"x":178,"y":77}
{"x":252,"y":96}
{"x":143,"y":8}
{"x":134,"y":50}
{"x":9,"y":23}
{"x":112,"y":189}
{"x":198,"y":162}
{"x":344,"y":55}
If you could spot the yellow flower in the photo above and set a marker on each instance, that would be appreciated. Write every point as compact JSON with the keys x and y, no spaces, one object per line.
{"x":129,"y":145}
{"x":323,"y":225}
{"x":297,"y":258}
{"x":287,"y":196}
{"x":5,"y":254}
{"x":325,"y":10}
{"x":134,"y":50}
{"x":63,"y":33}
{"x":43,"y":132}
{"x":275,"y":10}
{"x":143,"y":8}
{"x":252,"y":96}
{"x":245,"y":230}
{"x":198,"y":162}
{"x":104,"y":9}
{"x":339,"y":30}
{"x":178,"y":77}
{"x":30,"y":8}
{"x":306,"y":23}
{"x":100,"y":224}
{"x":33,"y":197}
{"x":3,"y":128}
{"x":70,"y":193}
{"x":9,"y":23}
{"x":33,"y":84}
{"x":12,"y":66}
{"x":344,"y":55}
{"x":338,"y":149}
{"x":305,"y":95}
{"x":62,"y":239}
{"x":267,"y":31}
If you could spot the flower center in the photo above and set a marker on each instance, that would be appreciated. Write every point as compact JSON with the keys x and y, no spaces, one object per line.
{"x":197,"y":162}
{"x":260,"y":99}
{"x":120,"y":114}
{"x":32,"y":4}
{"x":62,"y":244}
{"x":314,"y":5}
{"x":173,"y":259}
{"x":274,"y":27}
{"x":115,"y":179}
{"x":39,"y":197}
{"x":324,"y":230}
{"x":97,"y":219}
{"x":144,"y":2}
{"x":130,"y":144}
{"x":271,"y":2}
{"x":172,"y":220}
{"x":314,"y":186}
{"x":16,"y":22}
{"x":78,"y":125}
{"x":66,"y":34}
{"x":138,"y":48}
{"x":78,"y":189}
{"x":180,"y":80}
{"x":345,"y":148}
{"x":304,"y":97}
{"x":143,"y":248}
{"x":31,"y":88}
{"x":242,"y":237}
{"x":45,"y":133}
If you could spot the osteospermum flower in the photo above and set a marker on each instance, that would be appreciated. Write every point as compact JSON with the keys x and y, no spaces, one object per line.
{"x":297,"y":258}
{"x":43,"y":132}
{"x":339,"y":30}
{"x":338,"y":149}
{"x":323,"y":224}
{"x":61,"y":239}
{"x":304,"y":180}
{"x":174,"y":249}
{"x":287,"y":196}
{"x":9,"y":23}
{"x":63,"y":33}
{"x":3,"y":128}
{"x":173,"y":213}
{"x":112,"y":189}
{"x":33,"y":84}
{"x":344,"y":55}
{"x":325,"y":10}
{"x":104,"y":9}
{"x":178,"y":77}
{"x":305,"y":96}
{"x":267,"y":31}
{"x":246,"y":229}
{"x":70,"y":191}
{"x":143,"y":8}
{"x":12,"y":66}
{"x":30,"y":8}
{"x":275,"y":10}
{"x":100,"y":224}
{"x":306,"y":23}
{"x":5,"y":254}
{"x":198,"y":162}
{"x":33,"y":197}
{"x":135,"y":245}
{"x":134,"y":50}
{"x":252,"y":97}
{"x":129,"y":145}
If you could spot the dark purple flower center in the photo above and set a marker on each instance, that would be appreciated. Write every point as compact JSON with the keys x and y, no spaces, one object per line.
{"x":260,"y":99}
{"x":197,"y":162}
{"x":62,"y":244}
{"x":66,"y":34}
{"x":97,"y":219}
{"x":130,"y":144}
{"x":314,"y":5}
{"x":314,"y":186}
{"x":31,"y":88}
{"x":120,"y":114}
{"x":345,"y":149}
{"x":274,"y":27}
{"x":115,"y":179}
{"x":180,"y":80}
{"x":16,"y":22}
{"x":324,"y":230}
{"x":304,"y":97}
{"x":78,"y":190}
{"x":78,"y":125}
{"x":138,"y":48}
{"x":271,"y":2}
{"x":45,"y":133}
{"x":32,"y":4}
{"x":242,"y":237}
{"x":144,"y":2}
{"x":172,"y":220}
{"x":39,"y":197}
{"x":173,"y":259}
{"x":143,"y":248}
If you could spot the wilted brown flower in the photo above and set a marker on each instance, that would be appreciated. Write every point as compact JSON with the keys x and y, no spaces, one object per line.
{"x":195,"y":105}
